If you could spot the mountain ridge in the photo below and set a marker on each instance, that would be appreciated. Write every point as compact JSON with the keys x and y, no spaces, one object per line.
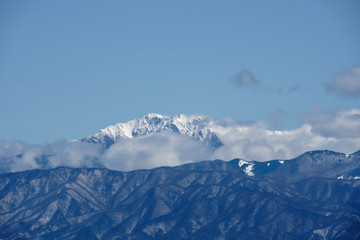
{"x":205,"y":200}
{"x":193,"y":126}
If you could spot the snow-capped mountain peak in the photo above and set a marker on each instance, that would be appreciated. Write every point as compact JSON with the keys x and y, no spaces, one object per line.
{"x":194,"y":126}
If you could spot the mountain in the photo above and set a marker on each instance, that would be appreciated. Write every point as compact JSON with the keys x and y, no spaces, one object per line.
{"x":194,"y":126}
{"x":322,"y":164}
{"x":88,"y":151}
{"x":313,"y":196}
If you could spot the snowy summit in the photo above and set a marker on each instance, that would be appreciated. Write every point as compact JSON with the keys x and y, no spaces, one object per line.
{"x":194,"y":126}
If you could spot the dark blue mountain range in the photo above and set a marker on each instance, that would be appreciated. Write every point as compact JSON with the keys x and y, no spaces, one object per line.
{"x":314,"y":196}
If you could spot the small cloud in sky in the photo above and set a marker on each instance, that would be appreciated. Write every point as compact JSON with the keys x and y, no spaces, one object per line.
{"x":244,"y":78}
{"x":346,"y":83}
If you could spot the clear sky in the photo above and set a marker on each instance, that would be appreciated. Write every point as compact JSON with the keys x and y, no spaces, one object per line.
{"x":70,"y":68}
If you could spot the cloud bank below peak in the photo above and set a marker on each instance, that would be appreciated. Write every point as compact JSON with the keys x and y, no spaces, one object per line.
{"x":336,"y":130}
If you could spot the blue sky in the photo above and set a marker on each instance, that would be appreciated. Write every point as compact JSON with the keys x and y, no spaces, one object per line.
{"x":69,"y":68}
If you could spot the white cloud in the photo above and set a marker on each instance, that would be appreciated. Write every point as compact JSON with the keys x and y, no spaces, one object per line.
{"x":28,"y":160}
{"x":256,"y":142}
{"x":161,"y":149}
{"x":337,"y":130}
{"x":74,"y":154}
{"x":346,"y":84}
{"x":9,"y":149}
{"x":18,"y":156}
{"x":336,"y":123}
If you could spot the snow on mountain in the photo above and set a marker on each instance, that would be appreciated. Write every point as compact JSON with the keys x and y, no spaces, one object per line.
{"x":302,"y":198}
{"x":248,"y":167}
{"x":194,"y":126}
{"x":321,"y":163}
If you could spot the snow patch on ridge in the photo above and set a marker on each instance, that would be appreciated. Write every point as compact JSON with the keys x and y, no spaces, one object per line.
{"x":249,"y":167}
{"x":242,"y":162}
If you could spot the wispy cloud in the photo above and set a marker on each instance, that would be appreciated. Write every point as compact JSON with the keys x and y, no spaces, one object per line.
{"x":19,"y":156}
{"x":276,"y":117}
{"x":257,"y":142}
{"x":337,"y":123}
{"x":244,"y":78}
{"x":285,"y":91}
{"x":346,"y":83}
{"x":294,"y":89}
